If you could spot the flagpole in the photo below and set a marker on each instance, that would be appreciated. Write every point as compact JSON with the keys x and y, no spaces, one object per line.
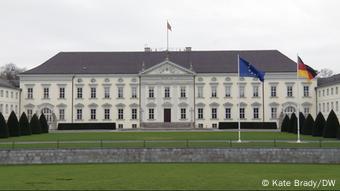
{"x":238,"y":107}
{"x":167,"y":37}
{"x":298,"y":99}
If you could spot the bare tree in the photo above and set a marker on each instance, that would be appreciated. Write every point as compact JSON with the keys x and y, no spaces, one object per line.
{"x":10,"y":71}
{"x":325,"y":72}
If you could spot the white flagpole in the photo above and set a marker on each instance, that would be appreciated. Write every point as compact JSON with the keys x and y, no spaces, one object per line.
{"x":167,"y":36}
{"x":238,"y":97}
{"x":298,"y":100}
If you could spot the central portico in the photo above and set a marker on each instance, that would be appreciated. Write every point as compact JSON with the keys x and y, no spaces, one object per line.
{"x":167,"y":95}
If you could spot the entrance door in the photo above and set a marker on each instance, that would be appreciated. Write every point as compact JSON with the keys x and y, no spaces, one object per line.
{"x":167,"y":115}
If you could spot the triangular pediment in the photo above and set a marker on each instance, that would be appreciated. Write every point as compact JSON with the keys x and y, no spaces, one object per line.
{"x":167,"y":68}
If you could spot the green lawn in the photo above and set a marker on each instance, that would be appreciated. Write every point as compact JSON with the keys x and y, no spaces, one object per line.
{"x":164,"y":139}
{"x":199,"y":176}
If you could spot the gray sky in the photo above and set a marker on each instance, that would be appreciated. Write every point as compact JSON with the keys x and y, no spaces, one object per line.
{"x":32,"y":31}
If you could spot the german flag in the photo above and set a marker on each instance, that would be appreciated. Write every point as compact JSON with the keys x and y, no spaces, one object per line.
{"x":305,"y":70}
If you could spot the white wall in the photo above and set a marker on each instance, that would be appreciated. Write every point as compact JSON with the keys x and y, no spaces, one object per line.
{"x":9,"y":101}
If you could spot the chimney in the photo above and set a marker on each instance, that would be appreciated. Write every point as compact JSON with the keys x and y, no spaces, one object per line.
{"x":147,"y":49}
{"x":188,"y":48}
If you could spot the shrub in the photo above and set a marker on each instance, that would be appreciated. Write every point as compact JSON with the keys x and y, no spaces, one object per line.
{"x":292,"y":124}
{"x":13,"y":125}
{"x":35,"y":125}
{"x":24,"y":125}
{"x":43,"y":123}
{"x":285,"y":124}
{"x":3,"y":127}
{"x":332,"y":125}
{"x":301,"y":120}
{"x":319,"y":125}
{"x":308,"y":125}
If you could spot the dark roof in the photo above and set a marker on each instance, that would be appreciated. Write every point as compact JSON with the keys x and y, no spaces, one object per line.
{"x":9,"y":84}
{"x":131,"y":62}
{"x":329,"y":80}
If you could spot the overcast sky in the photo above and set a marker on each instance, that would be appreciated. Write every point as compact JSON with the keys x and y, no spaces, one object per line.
{"x":32,"y":31}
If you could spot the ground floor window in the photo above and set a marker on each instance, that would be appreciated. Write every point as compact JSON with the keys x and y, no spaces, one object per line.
{"x":93,"y":114}
{"x":256,"y":112}
{"x":120,"y":114}
{"x":306,"y":111}
{"x":214,"y":125}
{"x":79,"y":114}
{"x":61,"y":114}
{"x":183,"y":113}
{"x":120,"y":126}
{"x":48,"y":114}
{"x":214,"y":113}
{"x":274,"y":113}
{"x":107,"y":114}
{"x":242,"y":113}
{"x":133,"y":113}
{"x":227,"y":113}
{"x":289,"y":110}
{"x":134,"y":126}
{"x":200,"y":113}
{"x":29,"y":114}
{"x":200,"y":125}
{"x":151,"y":113}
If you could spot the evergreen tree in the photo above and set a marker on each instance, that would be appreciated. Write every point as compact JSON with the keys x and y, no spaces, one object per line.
{"x":319,"y":125}
{"x":43,"y":123}
{"x":13,"y":125}
{"x":285,"y":124}
{"x":293,"y":124}
{"x":301,"y":120}
{"x":35,"y":125}
{"x":24,"y":125}
{"x":3,"y":127}
{"x":308,"y":124}
{"x":332,"y":125}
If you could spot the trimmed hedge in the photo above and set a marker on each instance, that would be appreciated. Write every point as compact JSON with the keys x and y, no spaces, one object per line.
{"x":13,"y":125}
{"x":3,"y":127}
{"x":24,"y":125}
{"x":332,"y":125}
{"x":247,"y":125}
{"x":319,"y":125}
{"x":308,"y":124}
{"x":86,"y":126}
{"x":292,"y":124}
{"x":301,"y":120}
{"x":35,"y":125}
{"x":285,"y":124}
{"x":43,"y":123}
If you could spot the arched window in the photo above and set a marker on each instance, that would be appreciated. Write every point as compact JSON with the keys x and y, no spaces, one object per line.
{"x":48,"y":114}
{"x":289,"y":110}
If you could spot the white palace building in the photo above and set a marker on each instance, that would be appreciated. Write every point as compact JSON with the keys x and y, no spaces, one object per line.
{"x":146,"y":89}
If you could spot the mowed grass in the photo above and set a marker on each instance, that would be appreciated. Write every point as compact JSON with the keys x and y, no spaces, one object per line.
{"x":178,"y":176}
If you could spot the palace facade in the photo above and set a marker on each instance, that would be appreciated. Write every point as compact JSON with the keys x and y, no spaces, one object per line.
{"x":194,"y":89}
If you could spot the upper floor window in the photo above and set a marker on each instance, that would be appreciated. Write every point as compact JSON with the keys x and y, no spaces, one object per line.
{"x":167,"y":92}
{"x":323,"y":92}
{"x":46,"y":93}
{"x":255,"y":91}
{"x":61,"y":93}
{"x":273,"y":91}
{"x":327,"y":90}
{"x":200,"y":92}
{"x":336,"y":90}
{"x":12,"y":95}
{"x":183,"y":92}
{"x":228,"y":91}
{"x":242,"y":91}
{"x":6,"y":94}
{"x":151,"y":92}
{"x":332,"y":91}
{"x":29,"y":93}
{"x":93,"y":92}
{"x":133,"y":92}
{"x":79,"y":93}
{"x":289,"y":91}
{"x":213,"y":91}
{"x":306,"y":91}
{"x":106,"y":92}
{"x":1,"y":93}
{"x":16,"y":95}
{"x":120,"y":92}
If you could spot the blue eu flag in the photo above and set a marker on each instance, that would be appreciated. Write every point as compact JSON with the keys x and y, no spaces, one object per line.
{"x":248,"y":70}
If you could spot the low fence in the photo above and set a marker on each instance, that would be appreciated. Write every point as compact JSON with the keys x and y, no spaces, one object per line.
{"x":169,"y":144}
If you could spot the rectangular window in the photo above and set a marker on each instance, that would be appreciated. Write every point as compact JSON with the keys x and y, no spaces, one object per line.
{"x":133,"y":92}
{"x":336,"y":90}
{"x":273,"y":91}
{"x":242,"y":91}
{"x":134,"y":126}
{"x":1,"y":93}
{"x":242,"y":113}
{"x":12,"y":95}
{"x":79,"y":93}
{"x":214,"y":125}
{"x":93,"y":92}
{"x":93,"y":114}
{"x":167,"y":92}
{"x":323,"y":107}
{"x":332,"y":90}
{"x":151,"y":92}
{"x":6,"y":94}
{"x":61,"y":93}
{"x":306,"y":111}
{"x":214,"y":113}
{"x":200,"y":125}
{"x":319,"y":109}
{"x":61,"y":114}
{"x":120,"y":92}
{"x":133,"y":113}
{"x":306,"y":91}
{"x":213,"y":91}
{"x":120,"y":126}
{"x":151,"y":113}
{"x":332,"y":106}
{"x":228,"y":91}
{"x":323,"y":92}
{"x":16,"y":95}
{"x":327,"y":107}
{"x":120,"y":114}
{"x":183,"y":113}
{"x":79,"y":114}
{"x":6,"y":109}
{"x":256,"y":113}
{"x":29,"y":93}
{"x":255,"y":91}
{"x":327,"y":91}
{"x":228,"y":113}
{"x":183,"y":92}
{"x":200,"y":113}
{"x":107,"y":92}
{"x":289,"y":91}
{"x":274,"y":113}
{"x":319,"y":93}
{"x":29,"y":114}
{"x":46,"y":93}
{"x":200,"y":92}
{"x":107,"y":114}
